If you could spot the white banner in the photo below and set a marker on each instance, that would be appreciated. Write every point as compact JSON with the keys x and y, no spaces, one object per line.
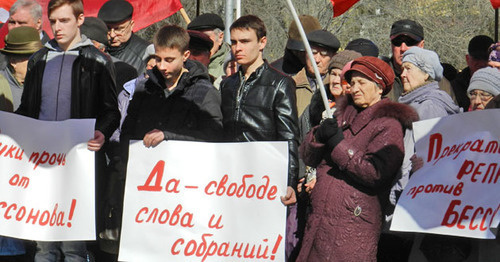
{"x":457,"y":191}
{"x":192,"y":201}
{"x":46,"y":179}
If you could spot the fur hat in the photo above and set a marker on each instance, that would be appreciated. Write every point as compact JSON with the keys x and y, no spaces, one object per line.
{"x":374,"y":69}
{"x":486,"y":79}
{"x":309,"y":24}
{"x":426,"y":60}
{"x":342,"y":58}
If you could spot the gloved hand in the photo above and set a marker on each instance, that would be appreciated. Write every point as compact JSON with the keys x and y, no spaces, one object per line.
{"x":329,"y":133}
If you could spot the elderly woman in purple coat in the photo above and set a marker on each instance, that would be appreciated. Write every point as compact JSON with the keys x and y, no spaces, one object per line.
{"x":357,"y":155}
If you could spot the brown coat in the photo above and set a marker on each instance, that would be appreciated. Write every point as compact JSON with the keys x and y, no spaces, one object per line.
{"x":346,"y":216}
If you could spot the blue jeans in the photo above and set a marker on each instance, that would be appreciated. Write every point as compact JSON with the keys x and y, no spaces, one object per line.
{"x":73,"y":251}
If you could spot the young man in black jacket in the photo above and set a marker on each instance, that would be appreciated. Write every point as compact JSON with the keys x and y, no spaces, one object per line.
{"x":177,"y":102}
{"x":69,"y":78}
{"x":258,"y":102}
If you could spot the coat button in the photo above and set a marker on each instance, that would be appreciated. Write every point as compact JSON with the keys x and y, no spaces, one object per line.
{"x":344,"y":123}
{"x":350,"y":152}
{"x":357,"y":211}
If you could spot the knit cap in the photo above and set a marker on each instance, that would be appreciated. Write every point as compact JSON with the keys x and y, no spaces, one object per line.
{"x":486,"y":79}
{"x":342,"y":58}
{"x":426,"y":60}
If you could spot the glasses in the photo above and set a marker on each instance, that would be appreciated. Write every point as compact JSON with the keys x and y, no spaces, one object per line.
{"x":119,"y":30}
{"x":484,"y":96}
{"x":398,"y":41}
{"x":322,"y":52}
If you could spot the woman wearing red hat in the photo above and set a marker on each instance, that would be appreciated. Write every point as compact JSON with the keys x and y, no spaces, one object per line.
{"x":357,"y":154}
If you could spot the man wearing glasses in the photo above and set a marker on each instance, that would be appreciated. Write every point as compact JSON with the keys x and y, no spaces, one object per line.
{"x":122,"y":42}
{"x":324,"y":46}
{"x":404,"y":35}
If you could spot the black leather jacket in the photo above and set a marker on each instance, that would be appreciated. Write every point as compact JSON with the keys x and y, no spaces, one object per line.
{"x":262,"y":108}
{"x":131,"y":52}
{"x":93,"y":92}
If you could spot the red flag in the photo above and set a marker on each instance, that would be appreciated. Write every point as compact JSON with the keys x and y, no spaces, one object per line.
{"x":146,"y":12}
{"x":495,"y":4}
{"x":340,"y":6}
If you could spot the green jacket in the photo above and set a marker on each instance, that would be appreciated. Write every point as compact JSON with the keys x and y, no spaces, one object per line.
{"x":216,"y":66}
{"x":6,"y":103}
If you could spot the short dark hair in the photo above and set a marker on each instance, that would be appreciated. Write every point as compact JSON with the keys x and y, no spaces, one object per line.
{"x":172,"y":36}
{"x":76,"y":5}
{"x":250,"y":22}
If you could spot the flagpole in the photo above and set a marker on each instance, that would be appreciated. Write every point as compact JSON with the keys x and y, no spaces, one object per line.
{"x":185,"y":15}
{"x":311,"y":58}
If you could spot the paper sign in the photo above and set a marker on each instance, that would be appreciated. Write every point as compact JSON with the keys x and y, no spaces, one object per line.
{"x":457,"y":191}
{"x":192,"y":201}
{"x":46,"y":179}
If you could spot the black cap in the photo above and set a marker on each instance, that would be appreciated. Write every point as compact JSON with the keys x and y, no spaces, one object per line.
{"x":478,"y":47}
{"x":363,"y":46}
{"x":409,"y":28}
{"x":206,"y":21}
{"x":325,"y":39}
{"x":115,"y":11}
{"x":199,"y":41}
{"x":95,"y":29}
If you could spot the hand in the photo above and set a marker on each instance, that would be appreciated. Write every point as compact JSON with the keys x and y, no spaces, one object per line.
{"x":307,"y":187}
{"x":96,"y":143}
{"x":153,"y":138}
{"x":327,"y":129}
{"x":289,"y":198}
{"x":416,"y":163}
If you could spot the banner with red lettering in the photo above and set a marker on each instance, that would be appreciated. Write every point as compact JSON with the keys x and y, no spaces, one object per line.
{"x":193,"y":201}
{"x":457,"y":191}
{"x":46,"y":179}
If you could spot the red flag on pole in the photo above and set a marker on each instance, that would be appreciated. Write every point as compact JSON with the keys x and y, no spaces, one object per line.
{"x":146,"y":12}
{"x":340,"y":6}
{"x":495,"y":3}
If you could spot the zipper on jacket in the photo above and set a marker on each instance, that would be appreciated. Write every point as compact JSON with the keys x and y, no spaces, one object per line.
{"x":239,"y":95}
{"x":59,"y":84}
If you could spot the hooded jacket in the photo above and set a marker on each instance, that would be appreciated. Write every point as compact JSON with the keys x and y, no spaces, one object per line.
{"x":346,"y":217}
{"x":191,"y":112}
{"x":93,"y":92}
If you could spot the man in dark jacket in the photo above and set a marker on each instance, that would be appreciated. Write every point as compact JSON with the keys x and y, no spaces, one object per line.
{"x":177,"y":102}
{"x":476,"y":58}
{"x":123,"y":43}
{"x":69,"y":78}
{"x":258,"y":102}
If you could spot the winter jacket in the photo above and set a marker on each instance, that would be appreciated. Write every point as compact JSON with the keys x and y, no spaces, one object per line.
{"x":429,"y":101}
{"x":262,"y":108}
{"x":216,"y":66}
{"x":191,"y":112}
{"x":93,"y":92}
{"x":131,"y":52}
{"x":346,"y":217}
{"x":460,"y":85}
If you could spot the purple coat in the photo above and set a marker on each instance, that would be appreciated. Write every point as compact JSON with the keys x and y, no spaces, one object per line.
{"x":346,"y":216}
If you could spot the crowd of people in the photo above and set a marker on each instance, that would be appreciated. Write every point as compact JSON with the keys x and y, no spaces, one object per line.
{"x":349,"y":160}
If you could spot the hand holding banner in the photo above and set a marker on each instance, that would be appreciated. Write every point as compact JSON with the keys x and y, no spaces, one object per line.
{"x":457,"y":191}
{"x":191,"y":201}
{"x":46,"y":179}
